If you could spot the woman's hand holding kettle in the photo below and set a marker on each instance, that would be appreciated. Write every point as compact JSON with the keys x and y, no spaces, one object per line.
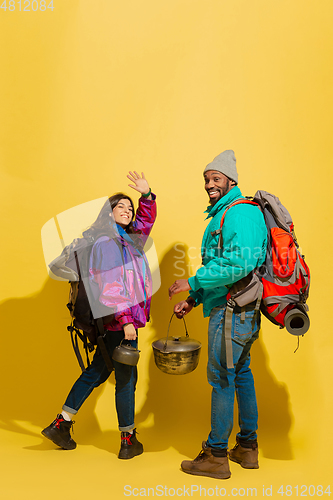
{"x":130,"y":332}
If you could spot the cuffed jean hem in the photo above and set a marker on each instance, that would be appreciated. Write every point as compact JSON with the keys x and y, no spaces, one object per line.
{"x":70,"y":410}
{"x":127,"y":429}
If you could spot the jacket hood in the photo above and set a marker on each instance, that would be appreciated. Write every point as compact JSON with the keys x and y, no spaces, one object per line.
{"x":226,"y":200}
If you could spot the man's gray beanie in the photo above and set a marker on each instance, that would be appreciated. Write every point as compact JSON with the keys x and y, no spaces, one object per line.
{"x":226,"y":164}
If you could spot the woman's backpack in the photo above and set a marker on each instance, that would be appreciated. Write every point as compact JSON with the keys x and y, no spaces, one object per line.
{"x":73,"y":266}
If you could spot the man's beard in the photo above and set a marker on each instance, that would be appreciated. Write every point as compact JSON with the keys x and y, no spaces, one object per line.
{"x":223,"y":191}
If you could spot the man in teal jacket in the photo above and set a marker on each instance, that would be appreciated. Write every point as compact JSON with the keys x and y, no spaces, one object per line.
{"x":244,"y":237}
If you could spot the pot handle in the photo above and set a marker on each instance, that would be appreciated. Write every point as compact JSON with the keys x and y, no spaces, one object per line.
{"x":187,"y":335}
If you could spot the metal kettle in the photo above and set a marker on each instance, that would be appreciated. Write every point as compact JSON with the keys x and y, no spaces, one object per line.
{"x":126,"y":354}
{"x":176,"y":355}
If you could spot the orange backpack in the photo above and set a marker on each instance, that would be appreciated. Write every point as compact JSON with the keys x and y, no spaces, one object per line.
{"x":280,"y":286}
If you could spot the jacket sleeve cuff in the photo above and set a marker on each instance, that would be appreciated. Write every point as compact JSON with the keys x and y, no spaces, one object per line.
{"x":123,"y":320}
{"x":193,"y":282}
{"x":145,"y":200}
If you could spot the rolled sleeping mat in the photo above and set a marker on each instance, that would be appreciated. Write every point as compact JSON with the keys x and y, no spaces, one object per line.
{"x":297,"y":321}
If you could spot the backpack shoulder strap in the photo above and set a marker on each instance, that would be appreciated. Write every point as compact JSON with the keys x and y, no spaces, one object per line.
{"x":231,"y":303}
{"x":237,"y":202}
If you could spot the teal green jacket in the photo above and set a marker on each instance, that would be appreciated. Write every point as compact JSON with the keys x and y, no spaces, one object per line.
{"x":244,"y":236}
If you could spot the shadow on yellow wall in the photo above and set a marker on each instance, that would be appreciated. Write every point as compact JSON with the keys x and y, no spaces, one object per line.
{"x":39,"y":368}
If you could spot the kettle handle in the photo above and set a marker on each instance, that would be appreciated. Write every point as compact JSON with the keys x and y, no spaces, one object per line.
{"x":122,"y":340}
{"x":187,"y":335}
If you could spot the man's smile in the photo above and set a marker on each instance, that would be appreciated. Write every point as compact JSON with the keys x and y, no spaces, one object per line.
{"x":213,"y":193}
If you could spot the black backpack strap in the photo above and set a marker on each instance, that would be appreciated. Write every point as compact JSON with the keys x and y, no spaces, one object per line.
{"x":99,"y":321}
{"x":75,"y":345}
{"x":101,"y":344}
{"x":100,"y":341}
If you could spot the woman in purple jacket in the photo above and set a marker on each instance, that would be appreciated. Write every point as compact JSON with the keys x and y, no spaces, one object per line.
{"x":119,"y":279}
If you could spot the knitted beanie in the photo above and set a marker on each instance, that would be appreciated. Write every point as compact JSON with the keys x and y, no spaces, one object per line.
{"x":226,"y":164}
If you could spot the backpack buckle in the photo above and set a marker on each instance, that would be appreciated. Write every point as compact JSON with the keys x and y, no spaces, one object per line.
{"x":231,"y":303}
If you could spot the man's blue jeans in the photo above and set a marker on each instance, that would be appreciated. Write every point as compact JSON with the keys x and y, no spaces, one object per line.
{"x":97,"y":373}
{"x":226,"y":382}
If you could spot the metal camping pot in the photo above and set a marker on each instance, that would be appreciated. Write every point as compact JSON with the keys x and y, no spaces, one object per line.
{"x":176,"y":355}
{"x":126,"y":354}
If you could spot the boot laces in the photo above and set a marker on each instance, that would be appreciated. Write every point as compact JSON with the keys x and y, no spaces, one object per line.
{"x":127,"y":437}
{"x":201,"y":456}
{"x":60,"y":419}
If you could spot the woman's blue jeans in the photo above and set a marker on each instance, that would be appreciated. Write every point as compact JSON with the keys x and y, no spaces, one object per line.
{"x":226,"y":382}
{"x":97,"y":373}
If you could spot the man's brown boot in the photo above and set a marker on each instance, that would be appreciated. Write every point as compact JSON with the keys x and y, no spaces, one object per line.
{"x":206,"y":464}
{"x":247,"y":457}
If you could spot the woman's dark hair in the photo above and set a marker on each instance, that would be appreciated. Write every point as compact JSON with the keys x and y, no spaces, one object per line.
{"x":102,"y":223}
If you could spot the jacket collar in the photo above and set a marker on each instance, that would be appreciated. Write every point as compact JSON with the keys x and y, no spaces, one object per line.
{"x":224,"y":202}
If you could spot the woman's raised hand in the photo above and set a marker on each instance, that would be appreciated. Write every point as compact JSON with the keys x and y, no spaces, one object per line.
{"x":141,"y":183}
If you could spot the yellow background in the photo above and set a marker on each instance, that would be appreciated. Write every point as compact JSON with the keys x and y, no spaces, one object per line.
{"x":93,"y":89}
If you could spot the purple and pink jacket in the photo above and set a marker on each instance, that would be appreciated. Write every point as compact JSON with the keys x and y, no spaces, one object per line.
{"x":124,"y":279}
